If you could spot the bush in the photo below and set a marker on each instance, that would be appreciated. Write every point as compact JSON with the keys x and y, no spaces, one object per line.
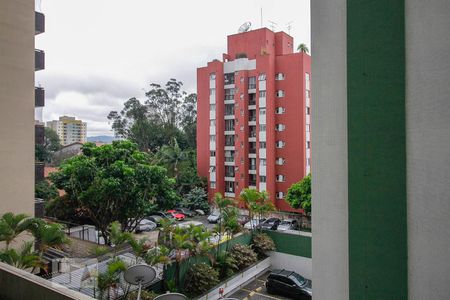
{"x":243,"y":255}
{"x":145,"y":295}
{"x":263,"y":243}
{"x":200,"y":278}
{"x":226,"y":265}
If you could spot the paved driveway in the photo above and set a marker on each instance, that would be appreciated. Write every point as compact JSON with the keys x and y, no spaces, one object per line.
{"x":256,"y":290}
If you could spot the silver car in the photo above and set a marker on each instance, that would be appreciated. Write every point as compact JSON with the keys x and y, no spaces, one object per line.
{"x":288,"y":224}
{"x":145,"y":225}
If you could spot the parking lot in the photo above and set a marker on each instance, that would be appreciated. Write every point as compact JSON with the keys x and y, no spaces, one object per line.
{"x":255,"y":290}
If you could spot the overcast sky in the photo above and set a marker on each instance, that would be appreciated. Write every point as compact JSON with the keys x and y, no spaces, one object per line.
{"x":99,"y":53}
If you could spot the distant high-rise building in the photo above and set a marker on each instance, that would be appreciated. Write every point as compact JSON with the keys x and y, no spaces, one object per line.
{"x":253,"y":125}
{"x":69,"y":130}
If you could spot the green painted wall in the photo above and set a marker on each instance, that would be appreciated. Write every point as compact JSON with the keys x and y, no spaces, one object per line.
{"x":291,"y":243}
{"x":376,"y":149}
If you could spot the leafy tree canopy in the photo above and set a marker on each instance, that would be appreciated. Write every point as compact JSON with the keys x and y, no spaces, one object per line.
{"x":46,"y":191}
{"x":115,"y":182}
{"x":51,"y":144}
{"x":299,"y":194}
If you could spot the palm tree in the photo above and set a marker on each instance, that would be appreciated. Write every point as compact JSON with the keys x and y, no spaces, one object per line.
{"x":181,"y":243}
{"x":303,"y":48}
{"x":109,"y":279}
{"x":140,"y":247}
{"x":11,"y":226}
{"x":221,"y":203}
{"x":250,"y":197}
{"x":26,"y":258}
{"x":172,"y":156}
{"x":48,"y":235}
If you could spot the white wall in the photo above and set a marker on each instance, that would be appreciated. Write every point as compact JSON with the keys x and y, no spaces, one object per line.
{"x":428,"y":147}
{"x":329,"y":141}
{"x":301,"y":265}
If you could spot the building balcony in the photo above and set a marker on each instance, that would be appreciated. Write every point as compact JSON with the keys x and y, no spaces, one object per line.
{"x":230,"y":194}
{"x":38,"y":171}
{"x":39,"y":23}
{"x":39,"y":97}
{"x":39,"y":133}
{"x":252,"y":184}
{"x":39,"y":60}
{"x":252,"y":150}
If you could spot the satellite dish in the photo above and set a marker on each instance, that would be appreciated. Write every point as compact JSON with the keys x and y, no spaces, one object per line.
{"x":139,"y":275}
{"x":245,"y":27}
{"x":171,"y":296}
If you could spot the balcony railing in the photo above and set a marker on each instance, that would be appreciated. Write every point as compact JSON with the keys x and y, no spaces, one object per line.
{"x":252,"y":118}
{"x":252,"y":134}
{"x":39,"y":134}
{"x":39,"y":97}
{"x":229,"y":159}
{"x":39,"y":60}
{"x":252,"y":183}
{"x":38,"y":172}
{"x":229,"y":174}
{"x":39,"y":22}
{"x":252,"y":151}
{"x":252,"y":167}
{"x":252,"y":102}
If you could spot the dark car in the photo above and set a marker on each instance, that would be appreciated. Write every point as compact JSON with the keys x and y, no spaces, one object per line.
{"x":185,"y":211}
{"x":156,"y":219}
{"x":289,"y":283}
{"x":270,"y":223}
{"x":164,"y":215}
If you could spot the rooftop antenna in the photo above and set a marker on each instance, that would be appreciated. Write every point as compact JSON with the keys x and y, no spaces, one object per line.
{"x":261,"y":18}
{"x":139,"y":275}
{"x":289,"y":26}
{"x":273,"y":25}
{"x":245,"y":27}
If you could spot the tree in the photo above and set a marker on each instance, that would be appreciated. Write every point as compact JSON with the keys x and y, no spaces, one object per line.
{"x":45,"y":190}
{"x":299,"y":194}
{"x":115,"y":182}
{"x":257,"y":203}
{"x":25,"y":258}
{"x":172,"y":155}
{"x":51,"y":144}
{"x":11,"y":226}
{"x":109,"y":280}
{"x":197,"y":198}
{"x":303,"y":48}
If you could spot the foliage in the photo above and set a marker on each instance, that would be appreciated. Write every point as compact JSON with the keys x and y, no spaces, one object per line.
{"x":243,"y":255}
{"x":263,"y":243}
{"x":25,"y":258}
{"x":168,"y":113}
{"x":108,"y":280}
{"x":45,"y":190}
{"x":226,"y":265}
{"x":303,"y":48}
{"x":197,"y":198}
{"x":145,"y":295}
{"x":63,"y":208}
{"x":257,"y":203}
{"x":117,"y":237}
{"x":11,"y":226}
{"x":48,"y":235}
{"x":115,"y":183}
{"x":44,"y":152}
{"x":299,"y":194}
{"x":201,"y":278}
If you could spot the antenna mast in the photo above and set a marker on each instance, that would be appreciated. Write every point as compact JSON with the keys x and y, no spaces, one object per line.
{"x":289,"y":27}
{"x":261,"y":18}
{"x":273,"y":25}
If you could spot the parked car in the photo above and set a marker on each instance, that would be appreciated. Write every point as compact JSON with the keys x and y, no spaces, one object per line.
{"x":270,"y":223}
{"x":288,"y":224}
{"x":155,"y":219}
{"x":187,"y":212}
{"x":164,"y":215}
{"x":243,"y":219}
{"x":200,"y":212}
{"x":145,"y":225}
{"x":188,"y":224}
{"x":253,"y":224}
{"x":176,"y":215}
{"x":289,"y":283}
{"x":214,"y":217}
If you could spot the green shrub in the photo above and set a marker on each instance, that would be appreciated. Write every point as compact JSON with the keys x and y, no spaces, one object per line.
{"x":243,"y":255}
{"x":200,"y":278}
{"x":226,"y":265}
{"x":145,"y":295}
{"x":263,"y":243}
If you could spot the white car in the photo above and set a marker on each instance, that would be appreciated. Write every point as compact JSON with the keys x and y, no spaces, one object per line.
{"x":145,"y":225}
{"x":188,"y":224}
{"x":214,"y":217}
{"x":253,"y":224}
{"x":288,"y":224}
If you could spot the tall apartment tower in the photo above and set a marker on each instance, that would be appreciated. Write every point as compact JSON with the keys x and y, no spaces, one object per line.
{"x":19,"y":23}
{"x":69,"y":129}
{"x":253,"y":126}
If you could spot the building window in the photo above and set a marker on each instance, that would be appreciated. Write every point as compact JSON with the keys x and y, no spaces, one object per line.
{"x":212,"y":138}
{"x":280,"y":110}
{"x":229,"y":186}
{"x":308,"y":161}
{"x":229,"y":94}
{"x":280,"y":161}
{"x":228,"y":78}
{"x":262,"y":94}
{"x":212,"y":184}
{"x":281,"y":178}
{"x":280,"y":93}
{"x":212,"y":107}
{"x":229,"y":109}
{"x":229,"y":125}
{"x":212,"y":92}
{"x":229,"y":171}
{"x":212,"y":76}
{"x":229,"y":140}
{"x":262,"y":77}
{"x":280,"y":127}
{"x":308,"y":128}
{"x":308,"y":94}
{"x":262,"y":161}
{"x":307,"y":79}
{"x":308,"y":145}
{"x":262,"y":145}
{"x":212,"y":153}
{"x":280,"y":195}
{"x":262,"y":128}
{"x":212,"y":122}
{"x":262,"y":179}
{"x":308,"y":110}
{"x":279,"y":76}
{"x":280,"y":144}
{"x":262,"y":111}
{"x":252,"y":83}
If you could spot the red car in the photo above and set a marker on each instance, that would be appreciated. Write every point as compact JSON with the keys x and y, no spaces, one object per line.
{"x":177,"y":216}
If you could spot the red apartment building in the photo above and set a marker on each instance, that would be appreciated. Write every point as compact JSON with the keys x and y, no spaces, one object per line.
{"x":253,"y":124}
